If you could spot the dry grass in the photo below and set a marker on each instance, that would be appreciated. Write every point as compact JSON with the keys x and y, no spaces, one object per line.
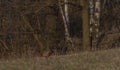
{"x":100,"y":60}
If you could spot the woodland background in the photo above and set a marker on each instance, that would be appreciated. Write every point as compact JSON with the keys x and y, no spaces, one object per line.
{"x":33,"y":26}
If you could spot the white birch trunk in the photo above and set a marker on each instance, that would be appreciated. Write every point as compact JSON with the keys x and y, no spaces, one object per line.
{"x":91,"y":21}
{"x":91,"y":4}
{"x":65,"y":17}
{"x":97,"y":15}
{"x":64,"y":20}
{"x":66,"y":11}
{"x":94,"y":21}
{"x":97,"y":23}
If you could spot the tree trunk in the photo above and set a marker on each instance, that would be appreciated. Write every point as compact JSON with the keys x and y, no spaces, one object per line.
{"x":66,"y":12}
{"x":65,"y":17}
{"x":97,"y":21}
{"x":85,"y":18}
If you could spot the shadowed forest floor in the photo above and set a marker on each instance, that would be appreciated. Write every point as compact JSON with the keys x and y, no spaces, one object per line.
{"x":98,"y":60}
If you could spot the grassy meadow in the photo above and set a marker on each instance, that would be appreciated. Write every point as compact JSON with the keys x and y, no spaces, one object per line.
{"x":89,"y":60}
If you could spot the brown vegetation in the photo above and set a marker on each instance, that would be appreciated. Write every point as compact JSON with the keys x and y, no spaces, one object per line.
{"x":34,"y":26}
{"x":98,"y":60}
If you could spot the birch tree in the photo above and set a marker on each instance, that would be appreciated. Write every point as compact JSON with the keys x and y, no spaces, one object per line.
{"x":94,"y":21}
{"x":97,"y":21}
{"x":91,"y":6}
{"x":65,"y":17}
{"x":66,"y":11}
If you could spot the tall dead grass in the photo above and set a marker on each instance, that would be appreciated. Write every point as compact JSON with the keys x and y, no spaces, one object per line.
{"x":98,"y":60}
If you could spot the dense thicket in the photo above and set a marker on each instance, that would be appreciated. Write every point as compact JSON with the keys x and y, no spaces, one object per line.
{"x":30,"y":24}
{"x":37,"y":25}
